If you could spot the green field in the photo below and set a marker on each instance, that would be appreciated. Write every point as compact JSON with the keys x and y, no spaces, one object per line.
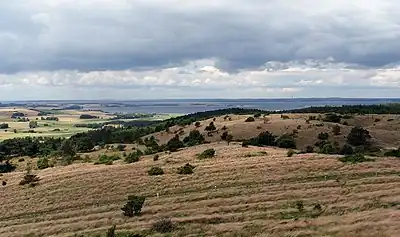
{"x":62,"y":128}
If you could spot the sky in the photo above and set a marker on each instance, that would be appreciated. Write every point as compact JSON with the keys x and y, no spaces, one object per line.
{"x":158,"y":49}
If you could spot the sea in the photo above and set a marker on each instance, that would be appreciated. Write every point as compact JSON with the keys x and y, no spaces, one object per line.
{"x":200,"y":105}
{"x":188,"y":106}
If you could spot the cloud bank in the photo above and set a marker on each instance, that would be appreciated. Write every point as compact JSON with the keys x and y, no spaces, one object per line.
{"x":133,"y":49}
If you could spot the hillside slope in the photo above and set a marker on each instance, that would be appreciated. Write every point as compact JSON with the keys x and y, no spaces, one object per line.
{"x":384,"y":129}
{"x":240,"y":192}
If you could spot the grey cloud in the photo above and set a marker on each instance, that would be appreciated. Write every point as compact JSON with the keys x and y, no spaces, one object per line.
{"x":117,"y":35}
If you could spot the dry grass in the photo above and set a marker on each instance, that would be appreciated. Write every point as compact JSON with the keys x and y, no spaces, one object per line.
{"x":228,"y":195}
{"x":386,"y":133}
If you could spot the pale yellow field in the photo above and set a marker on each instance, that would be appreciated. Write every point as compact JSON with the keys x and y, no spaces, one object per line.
{"x":228,"y":195}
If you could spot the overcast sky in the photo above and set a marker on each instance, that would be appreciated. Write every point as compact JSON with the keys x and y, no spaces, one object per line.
{"x":155,"y":49}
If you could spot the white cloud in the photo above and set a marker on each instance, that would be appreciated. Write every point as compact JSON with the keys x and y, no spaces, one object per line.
{"x":196,"y":78}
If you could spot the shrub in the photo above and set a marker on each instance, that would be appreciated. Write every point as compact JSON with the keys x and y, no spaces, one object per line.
{"x":209,"y":153}
{"x":312,"y":117}
{"x":356,"y":158}
{"x":284,"y":117}
{"x":211,"y":127}
{"x":394,"y":153}
{"x":4,"y":126}
{"x":156,"y":157}
{"x":298,"y":127}
{"x":224,"y":135}
{"x":174,"y":144}
{"x":327,"y":149}
{"x":21,"y":160}
{"x":133,"y":206}
{"x":290,"y":153}
{"x":194,"y":138}
{"x":336,"y":130}
{"x":7,"y":167}
{"x":155,"y":171}
{"x":29,"y":178}
{"x":106,"y":160}
{"x":345,"y":123}
{"x":300,"y":205}
{"x":359,"y":137}
{"x":43,"y":163}
{"x":121,"y":147}
{"x":323,"y":136}
{"x":257,"y":115}
{"x":346,"y":150}
{"x":197,"y":124}
{"x":250,"y":119}
{"x":133,"y":157}
{"x":111,"y":232}
{"x":333,"y":118}
{"x":4,"y":183}
{"x":309,"y":149}
{"x":163,"y":225}
{"x":286,"y":141}
{"x":186,"y":169}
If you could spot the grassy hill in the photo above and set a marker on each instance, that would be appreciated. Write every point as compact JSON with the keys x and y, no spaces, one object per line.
{"x":384,"y":129}
{"x":240,"y":192}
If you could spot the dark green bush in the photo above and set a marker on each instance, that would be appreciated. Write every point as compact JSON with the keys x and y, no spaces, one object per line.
{"x":209,"y":153}
{"x":134,"y":205}
{"x":155,"y":171}
{"x":156,"y":157}
{"x":186,"y":169}
{"x":333,"y":118}
{"x":211,"y":127}
{"x":194,"y":138}
{"x":309,"y":149}
{"x":394,"y":153}
{"x":257,"y":115}
{"x":286,"y":141}
{"x":133,"y":157}
{"x":346,"y":150}
{"x":323,"y":136}
{"x":106,"y":160}
{"x":174,"y":144}
{"x":7,"y":167}
{"x":359,"y":137}
{"x":356,"y":158}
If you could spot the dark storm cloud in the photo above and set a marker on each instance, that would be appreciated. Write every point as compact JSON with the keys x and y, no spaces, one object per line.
{"x":120,"y":34}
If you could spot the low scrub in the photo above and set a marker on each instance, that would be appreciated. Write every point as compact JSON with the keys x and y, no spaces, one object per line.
{"x":43,"y":163}
{"x":107,"y":160}
{"x":186,"y":169}
{"x":163,"y":225}
{"x":255,"y":154}
{"x":356,"y":158}
{"x":133,"y":157}
{"x":394,"y":153}
{"x":155,"y":171}
{"x":209,"y":153}
{"x":291,"y":153}
{"x":29,"y":178}
{"x":250,"y":119}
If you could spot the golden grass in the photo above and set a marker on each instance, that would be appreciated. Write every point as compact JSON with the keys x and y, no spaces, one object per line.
{"x":384,"y":132}
{"x":228,"y":195}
